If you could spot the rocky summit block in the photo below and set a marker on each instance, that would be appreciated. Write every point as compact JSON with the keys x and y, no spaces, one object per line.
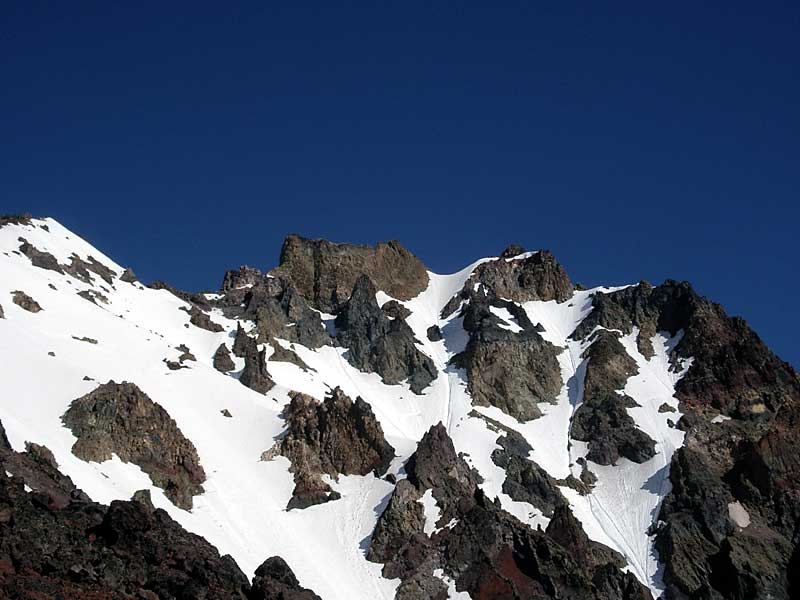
{"x":379,"y":344}
{"x":333,"y":437}
{"x":119,"y":418}
{"x":324,"y":273}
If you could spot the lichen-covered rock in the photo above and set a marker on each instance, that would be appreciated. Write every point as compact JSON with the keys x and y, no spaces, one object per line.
{"x":333,"y":437}
{"x":25,"y":302}
{"x":119,"y":418}
{"x":324,"y":273}
{"x":512,"y":371}
{"x":378,"y":344}
{"x":222,"y":360}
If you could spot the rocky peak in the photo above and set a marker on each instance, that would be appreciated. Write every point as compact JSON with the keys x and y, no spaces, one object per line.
{"x":324,"y":272}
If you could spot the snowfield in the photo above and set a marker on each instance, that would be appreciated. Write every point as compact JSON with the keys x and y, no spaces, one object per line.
{"x":242,"y":511}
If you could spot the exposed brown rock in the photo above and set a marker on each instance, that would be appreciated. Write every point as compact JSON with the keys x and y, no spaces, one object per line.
{"x":336,"y":436}
{"x":255,"y":374}
{"x":537,"y":277}
{"x":222,"y":360}
{"x":121,"y":419}
{"x":200,"y":319}
{"x":325,"y":273}
{"x":56,"y":543}
{"x":25,"y":302}
{"x":43,"y":260}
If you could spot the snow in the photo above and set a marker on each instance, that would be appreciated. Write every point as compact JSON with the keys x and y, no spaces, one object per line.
{"x":738,"y":514}
{"x":432,"y":512}
{"x":720,"y":419}
{"x":242,"y":511}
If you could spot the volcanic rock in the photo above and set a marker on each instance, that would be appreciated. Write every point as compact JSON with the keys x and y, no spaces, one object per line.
{"x":377,"y":344}
{"x":25,"y":302}
{"x":121,"y":419}
{"x":222,"y":360}
{"x":333,"y":437}
{"x":324,"y":273}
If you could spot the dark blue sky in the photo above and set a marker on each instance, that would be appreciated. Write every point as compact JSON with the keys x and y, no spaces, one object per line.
{"x":638,"y":141}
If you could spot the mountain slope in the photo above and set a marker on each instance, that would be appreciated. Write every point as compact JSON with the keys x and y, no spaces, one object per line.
{"x":611,"y":359}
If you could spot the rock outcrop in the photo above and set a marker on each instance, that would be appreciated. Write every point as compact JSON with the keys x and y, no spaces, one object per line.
{"x":513,"y":371}
{"x":200,"y":319}
{"x":274,"y":580}
{"x":324,"y":273}
{"x":602,"y":419}
{"x":255,"y":374}
{"x":333,"y":437}
{"x":749,"y":461}
{"x":286,"y":316}
{"x":538,"y":276}
{"x":25,"y":302}
{"x":525,"y":480}
{"x":43,"y":260}
{"x":56,"y":543}
{"x":378,"y":344}
{"x":487,"y":552}
{"x":119,"y":418}
{"x":222,"y":360}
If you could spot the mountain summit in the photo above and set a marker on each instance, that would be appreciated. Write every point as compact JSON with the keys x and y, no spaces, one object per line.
{"x":351,"y":425}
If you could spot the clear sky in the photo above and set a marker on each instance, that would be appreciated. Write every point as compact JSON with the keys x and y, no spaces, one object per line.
{"x":642,"y":141}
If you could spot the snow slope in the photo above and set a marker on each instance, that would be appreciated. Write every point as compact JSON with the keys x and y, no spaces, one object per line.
{"x":242,"y":511}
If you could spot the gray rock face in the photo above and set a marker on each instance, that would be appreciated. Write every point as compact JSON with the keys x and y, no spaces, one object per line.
{"x":336,"y":436}
{"x":287,"y":316}
{"x":377,"y":344}
{"x":222,"y":360}
{"x":25,"y":302}
{"x":512,"y":371}
{"x":324,"y":273}
{"x":244,"y":276}
{"x":602,"y":419}
{"x":121,"y":419}
{"x":282,"y":354}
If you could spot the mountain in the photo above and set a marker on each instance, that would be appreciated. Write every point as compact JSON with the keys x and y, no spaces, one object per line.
{"x":352,"y":425}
